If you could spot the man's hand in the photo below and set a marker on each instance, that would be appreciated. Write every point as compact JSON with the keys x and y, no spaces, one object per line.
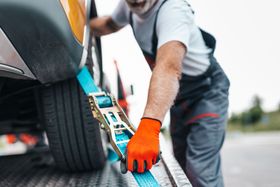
{"x":143,"y":148}
{"x":103,"y":25}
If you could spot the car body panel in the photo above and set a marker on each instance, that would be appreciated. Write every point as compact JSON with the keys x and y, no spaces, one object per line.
{"x":10,"y":60}
{"x":42,"y":36}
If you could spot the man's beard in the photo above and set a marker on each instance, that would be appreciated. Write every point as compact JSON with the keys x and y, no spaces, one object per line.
{"x":140,"y":7}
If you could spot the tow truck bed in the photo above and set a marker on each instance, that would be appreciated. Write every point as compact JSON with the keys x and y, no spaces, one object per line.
{"x":38,"y":169}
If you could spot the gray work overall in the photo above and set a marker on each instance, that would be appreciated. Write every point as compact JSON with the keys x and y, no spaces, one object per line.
{"x":198,"y":118}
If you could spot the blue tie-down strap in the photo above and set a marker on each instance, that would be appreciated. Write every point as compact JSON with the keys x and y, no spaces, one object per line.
{"x":104,"y":101}
{"x":86,"y":81}
{"x":145,"y":179}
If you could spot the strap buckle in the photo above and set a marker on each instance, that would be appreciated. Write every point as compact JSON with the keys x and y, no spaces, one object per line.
{"x":113,"y":120}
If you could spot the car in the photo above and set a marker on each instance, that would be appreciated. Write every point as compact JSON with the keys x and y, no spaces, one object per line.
{"x":43,"y":45}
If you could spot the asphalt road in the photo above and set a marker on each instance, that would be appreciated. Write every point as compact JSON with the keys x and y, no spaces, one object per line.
{"x":252,"y":160}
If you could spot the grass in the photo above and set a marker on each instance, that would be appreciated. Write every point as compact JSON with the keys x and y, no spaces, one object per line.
{"x":271,"y":123}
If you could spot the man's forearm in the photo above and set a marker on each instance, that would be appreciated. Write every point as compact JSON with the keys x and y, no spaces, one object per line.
{"x":162,"y":92}
{"x":103,"y":25}
{"x":164,"y":84}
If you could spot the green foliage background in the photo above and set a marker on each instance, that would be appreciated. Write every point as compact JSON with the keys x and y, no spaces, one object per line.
{"x":255,"y":119}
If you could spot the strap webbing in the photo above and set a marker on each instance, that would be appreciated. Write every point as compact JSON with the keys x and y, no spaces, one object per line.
{"x":86,"y":81}
{"x":145,"y":179}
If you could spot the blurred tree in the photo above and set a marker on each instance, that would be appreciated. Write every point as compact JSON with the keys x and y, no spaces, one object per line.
{"x":245,"y":118}
{"x":252,"y":115}
{"x":235,"y":118}
{"x":257,"y":101}
{"x":255,"y":112}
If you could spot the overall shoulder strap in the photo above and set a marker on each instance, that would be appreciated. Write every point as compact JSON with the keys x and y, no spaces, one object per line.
{"x":154,"y":37}
{"x":131,"y":22}
{"x":209,"y":40}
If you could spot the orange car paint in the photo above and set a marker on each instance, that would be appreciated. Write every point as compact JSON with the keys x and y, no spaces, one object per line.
{"x":76,"y":14}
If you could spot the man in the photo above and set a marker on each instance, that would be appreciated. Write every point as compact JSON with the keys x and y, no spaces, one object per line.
{"x":185,"y":78}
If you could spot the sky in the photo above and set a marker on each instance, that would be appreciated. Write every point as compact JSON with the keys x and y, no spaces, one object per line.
{"x":248,"y":38}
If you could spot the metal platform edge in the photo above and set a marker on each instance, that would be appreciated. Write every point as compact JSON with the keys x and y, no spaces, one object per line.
{"x":176,"y":174}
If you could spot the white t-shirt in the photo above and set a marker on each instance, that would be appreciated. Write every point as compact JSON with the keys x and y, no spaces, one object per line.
{"x":175,"y":23}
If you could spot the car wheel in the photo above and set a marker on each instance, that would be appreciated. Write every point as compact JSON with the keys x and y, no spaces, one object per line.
{"x":73,"y":134}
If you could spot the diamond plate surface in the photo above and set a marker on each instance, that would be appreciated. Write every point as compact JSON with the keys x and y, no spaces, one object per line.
{"x":38,"y":169}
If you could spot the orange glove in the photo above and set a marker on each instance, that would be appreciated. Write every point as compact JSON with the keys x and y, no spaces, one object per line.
{"x":143,"y":147}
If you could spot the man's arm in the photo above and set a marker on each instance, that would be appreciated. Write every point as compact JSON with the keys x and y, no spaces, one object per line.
{"x":103,"y":25}
{"x":164,"y":83}
{"x":143,"y":147}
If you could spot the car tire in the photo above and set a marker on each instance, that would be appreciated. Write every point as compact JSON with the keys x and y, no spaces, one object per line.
{"x":73,"y":134}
